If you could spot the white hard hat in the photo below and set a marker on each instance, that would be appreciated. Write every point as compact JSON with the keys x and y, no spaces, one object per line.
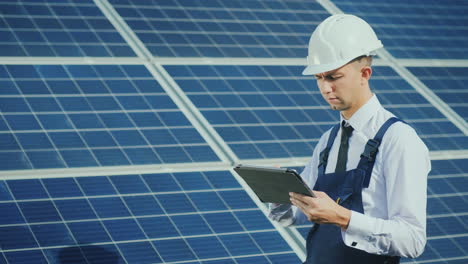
{"x":338,"y":40}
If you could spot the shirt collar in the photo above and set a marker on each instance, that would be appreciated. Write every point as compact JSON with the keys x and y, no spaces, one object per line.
{"x":363,"y":114}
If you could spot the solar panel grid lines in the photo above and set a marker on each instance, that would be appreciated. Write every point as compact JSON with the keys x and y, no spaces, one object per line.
{"x":290,"y":235}
{"x":28,"y":159}
{"x":182,"y":33}
{"x":447,"y":83}
{"x":139,"y":225}
{"x":191,"y":111}
{"x":443,"y":227}
{"x":136,"y":125}
{"x":250,"y":222}
{"x":124,"y":30}
{"x":244,"y":228}
{"x":116,"y":91}
{"x":59,"y":29}
{"x":251,"y":34}
{"x":435,"y":100}
{"x":297,"y":43}
{"x":28,"y":227}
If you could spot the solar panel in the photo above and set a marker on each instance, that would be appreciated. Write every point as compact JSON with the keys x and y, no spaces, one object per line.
{"x":274,"y":112}
{"x":189,"y":217}
{"x":448,"y":83}
{"x":222,"y":28}
{"x":62,"y":116}
{"x":58,"y":29}
{"x":419,"y":29}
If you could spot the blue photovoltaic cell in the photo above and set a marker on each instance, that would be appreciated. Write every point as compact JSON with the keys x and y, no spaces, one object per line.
{"x":448,"y":83}
{"x":446,"y":212}
{"x":134,"y":231}
{"x":222,"y":28}
{"x":77,"y":127}
{"x":58,"y":29}
{"x":420,"y":29}
{"x":274,"y":112}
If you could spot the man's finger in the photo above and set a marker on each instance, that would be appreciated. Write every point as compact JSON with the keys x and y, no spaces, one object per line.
{"x":305,"y":198}
{"x":298,"y":204}
{"x":298,"y":199}
{"x":296,"y":195}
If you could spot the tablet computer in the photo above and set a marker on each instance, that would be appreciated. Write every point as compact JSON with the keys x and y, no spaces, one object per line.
{"x":272,"y":185}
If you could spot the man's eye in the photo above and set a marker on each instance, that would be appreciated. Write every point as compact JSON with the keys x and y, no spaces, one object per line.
{"x":332,"y":77}
{"x":328,"y":77}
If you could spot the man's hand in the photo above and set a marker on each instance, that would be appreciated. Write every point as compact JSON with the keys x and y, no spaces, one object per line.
{"x":321,"y":209}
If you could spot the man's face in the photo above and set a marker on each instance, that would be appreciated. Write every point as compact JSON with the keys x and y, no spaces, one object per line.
{"x":343,"y":87}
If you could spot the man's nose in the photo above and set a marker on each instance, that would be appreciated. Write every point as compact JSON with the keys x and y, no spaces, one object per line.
{"x":326,"y":86}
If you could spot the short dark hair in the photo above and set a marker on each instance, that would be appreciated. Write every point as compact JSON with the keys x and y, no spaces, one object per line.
{"x":368,"y":58}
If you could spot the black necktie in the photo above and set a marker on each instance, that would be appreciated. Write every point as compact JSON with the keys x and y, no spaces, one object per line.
{"x":344,"y":145}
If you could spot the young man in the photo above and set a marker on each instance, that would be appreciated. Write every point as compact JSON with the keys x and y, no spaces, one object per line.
{"x":369,"y":173}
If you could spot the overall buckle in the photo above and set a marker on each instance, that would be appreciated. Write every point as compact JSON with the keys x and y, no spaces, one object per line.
{"x":371,"y":149}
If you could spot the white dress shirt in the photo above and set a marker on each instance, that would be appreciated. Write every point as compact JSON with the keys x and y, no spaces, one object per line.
{"x":394,"y":219}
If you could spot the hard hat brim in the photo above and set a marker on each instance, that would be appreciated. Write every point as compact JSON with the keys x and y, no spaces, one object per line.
{"x":315,"y":69}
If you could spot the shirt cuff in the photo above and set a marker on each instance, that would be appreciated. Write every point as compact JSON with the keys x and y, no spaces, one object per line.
{"x":281,"y":213}
{"x":357,"y":233}
{"x":363,"y":233}
{"x":359,"y":224}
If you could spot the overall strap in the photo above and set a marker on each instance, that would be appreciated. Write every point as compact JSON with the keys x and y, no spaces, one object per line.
{"x":372,"y":148}
{"x":323,"y":158}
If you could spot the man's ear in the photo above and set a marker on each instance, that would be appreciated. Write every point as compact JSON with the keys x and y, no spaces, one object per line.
{"x":366,"y":73}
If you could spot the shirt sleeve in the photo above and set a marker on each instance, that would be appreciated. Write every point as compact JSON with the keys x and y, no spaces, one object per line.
{"x":287,"y":214}
{"x":405,"y":166}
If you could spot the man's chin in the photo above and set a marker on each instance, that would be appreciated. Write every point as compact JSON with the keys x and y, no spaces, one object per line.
{"x":339,"y":107}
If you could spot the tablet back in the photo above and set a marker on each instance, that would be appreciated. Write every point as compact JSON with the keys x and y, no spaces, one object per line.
{"x":272,"y":185}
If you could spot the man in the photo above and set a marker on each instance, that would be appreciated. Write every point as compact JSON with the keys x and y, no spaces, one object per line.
{"x":369,"y":173}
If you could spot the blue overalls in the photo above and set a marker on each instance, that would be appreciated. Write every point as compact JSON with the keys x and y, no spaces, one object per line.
{"x":324,"y":242}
